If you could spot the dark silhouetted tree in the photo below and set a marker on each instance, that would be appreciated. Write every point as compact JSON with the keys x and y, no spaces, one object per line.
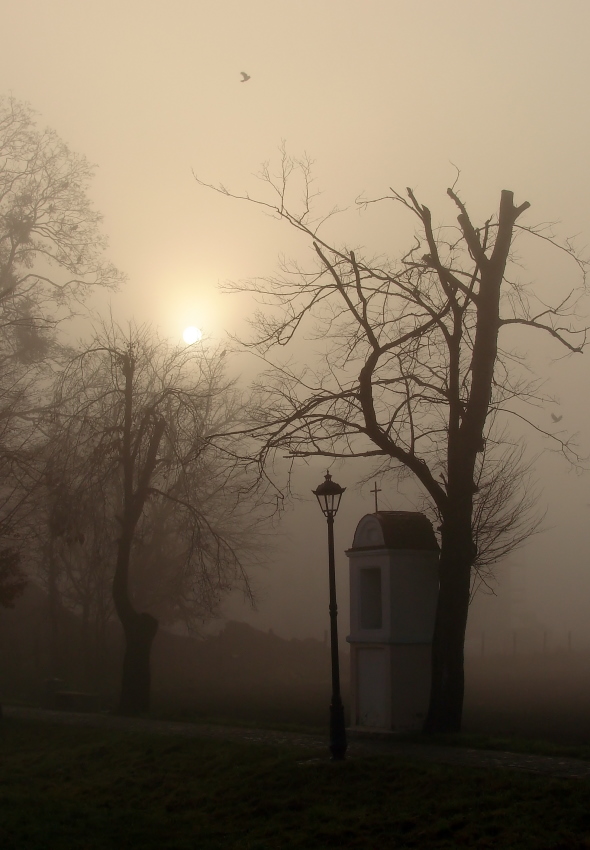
{"x":135,"y":419}
{"x":51,"y":255}
{"x":415,"y":371}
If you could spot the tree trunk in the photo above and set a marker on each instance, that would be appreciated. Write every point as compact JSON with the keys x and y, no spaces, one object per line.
{"x":448,"y":680}
{"x":140,"y":631}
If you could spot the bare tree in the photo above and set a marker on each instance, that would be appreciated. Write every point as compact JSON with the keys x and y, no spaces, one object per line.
{"x":51,"y":255}
{"x":414,"y":375}
{"x":136,"y":417}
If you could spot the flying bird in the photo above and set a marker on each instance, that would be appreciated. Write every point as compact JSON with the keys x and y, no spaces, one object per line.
{"x":245,"y":77}
{"x":556,"y":418}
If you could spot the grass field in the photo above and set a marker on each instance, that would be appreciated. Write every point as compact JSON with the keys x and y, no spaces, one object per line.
{"x":515,"y":743}
{"x":85,"y":789}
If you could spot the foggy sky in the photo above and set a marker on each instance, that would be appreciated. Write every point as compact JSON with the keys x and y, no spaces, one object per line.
{"x":380,"y":93}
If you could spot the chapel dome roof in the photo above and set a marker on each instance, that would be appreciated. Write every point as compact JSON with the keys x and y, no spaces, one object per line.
{"x":395,"y":530}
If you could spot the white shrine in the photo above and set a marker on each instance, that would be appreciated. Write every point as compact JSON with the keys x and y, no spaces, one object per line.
{"x":393,"y":594}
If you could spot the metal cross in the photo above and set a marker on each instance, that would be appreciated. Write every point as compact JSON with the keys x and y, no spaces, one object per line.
{"x":376,"y":490}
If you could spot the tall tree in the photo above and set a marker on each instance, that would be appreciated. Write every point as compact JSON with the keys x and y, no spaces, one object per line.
{"x":136,"y":417}
{"x":416,"y":373}
{"x":51,"y":255}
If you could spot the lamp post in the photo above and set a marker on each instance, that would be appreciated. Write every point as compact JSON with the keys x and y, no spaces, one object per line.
{"x":328,"y":495}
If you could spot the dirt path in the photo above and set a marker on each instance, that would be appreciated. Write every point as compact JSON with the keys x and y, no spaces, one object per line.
{"x":359,"y":745}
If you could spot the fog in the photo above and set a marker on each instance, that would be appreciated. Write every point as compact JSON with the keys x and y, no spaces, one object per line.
{"x":383,"y":93}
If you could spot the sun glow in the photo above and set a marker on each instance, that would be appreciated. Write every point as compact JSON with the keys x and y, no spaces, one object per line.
{"x":192,"y":334}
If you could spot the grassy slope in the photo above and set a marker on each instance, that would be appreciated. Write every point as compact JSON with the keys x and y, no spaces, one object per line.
{"x":69,"y":787}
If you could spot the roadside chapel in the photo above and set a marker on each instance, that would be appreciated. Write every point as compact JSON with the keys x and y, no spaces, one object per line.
{"x":393,"y":594}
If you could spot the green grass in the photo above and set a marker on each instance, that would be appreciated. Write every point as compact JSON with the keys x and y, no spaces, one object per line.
{"x":90,"y":789}
{"x":238,"y":722}
{"x":472,"y":740}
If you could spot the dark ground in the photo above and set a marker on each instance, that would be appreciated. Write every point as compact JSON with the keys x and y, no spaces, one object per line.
{"x":315,"y":745}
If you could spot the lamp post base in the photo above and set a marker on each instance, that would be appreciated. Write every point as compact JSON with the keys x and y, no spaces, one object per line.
{"x":338,"y":742}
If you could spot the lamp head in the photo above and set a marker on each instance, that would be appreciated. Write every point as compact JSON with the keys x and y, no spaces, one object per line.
{"x":328,"y":495}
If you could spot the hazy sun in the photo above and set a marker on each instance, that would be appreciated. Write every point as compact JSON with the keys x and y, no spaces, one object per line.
{"x":192,"y":334}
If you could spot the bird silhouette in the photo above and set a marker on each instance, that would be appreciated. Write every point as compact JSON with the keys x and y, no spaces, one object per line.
{"x":556,"y":418}
{"x":245,"y":77}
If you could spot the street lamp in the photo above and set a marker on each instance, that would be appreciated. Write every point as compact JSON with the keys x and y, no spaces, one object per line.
{"x":328,"y":495}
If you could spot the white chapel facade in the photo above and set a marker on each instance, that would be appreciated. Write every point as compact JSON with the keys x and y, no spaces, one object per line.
{"x":393,"y":595}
